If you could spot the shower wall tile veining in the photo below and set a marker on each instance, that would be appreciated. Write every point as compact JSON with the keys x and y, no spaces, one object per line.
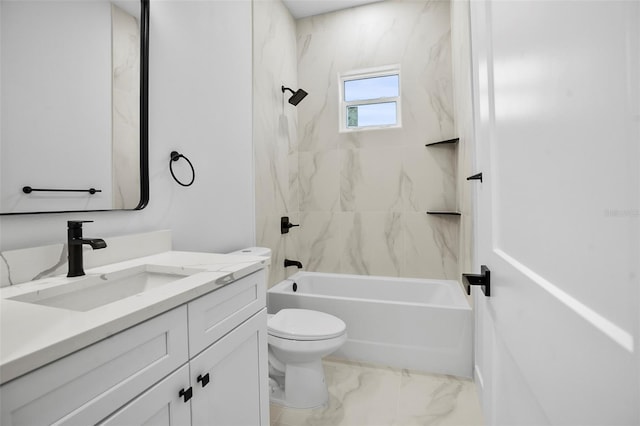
{"x":360,"y":197}
{"x":462,"y":96}
{"x":363,"y":195}
{"x":274,"y":127}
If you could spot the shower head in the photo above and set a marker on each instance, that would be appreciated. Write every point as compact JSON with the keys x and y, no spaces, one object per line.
{"x":297,"y":96}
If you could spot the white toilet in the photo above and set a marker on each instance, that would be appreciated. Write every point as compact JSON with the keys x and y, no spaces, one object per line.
{"x":298,"y":339}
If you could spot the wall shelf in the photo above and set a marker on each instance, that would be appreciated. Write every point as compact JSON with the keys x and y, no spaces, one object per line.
{"x":454,"y":213}
{"x":448,"y":141}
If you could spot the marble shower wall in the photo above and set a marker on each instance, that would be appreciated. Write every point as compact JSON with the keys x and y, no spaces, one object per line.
{"x":461,"y":59}
{"x":363,"y":196}
{"x":274,"y":127}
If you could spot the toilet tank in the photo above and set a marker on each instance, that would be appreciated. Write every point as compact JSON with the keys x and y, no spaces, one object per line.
{"x":255,"y":251}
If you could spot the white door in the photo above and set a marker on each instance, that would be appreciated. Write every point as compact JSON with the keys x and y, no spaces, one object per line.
{"x":556,"y":107}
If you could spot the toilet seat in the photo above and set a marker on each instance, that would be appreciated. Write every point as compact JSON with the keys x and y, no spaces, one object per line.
{"x":306,"y":346}
{"x":305,"y":324}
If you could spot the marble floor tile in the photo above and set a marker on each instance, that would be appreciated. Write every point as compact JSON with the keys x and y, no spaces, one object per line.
{"x":427,"y":399}
{"x":275,"y":411}
{"x":367,"y":395}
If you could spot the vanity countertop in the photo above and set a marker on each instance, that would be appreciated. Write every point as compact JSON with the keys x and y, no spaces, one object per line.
{"x":32,"y":335}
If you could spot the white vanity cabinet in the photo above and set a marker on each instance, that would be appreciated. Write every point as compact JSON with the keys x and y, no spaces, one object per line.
{"x":157,"y":406}
{"x":233,"y":396}
{"x":136,"y":376}
{"x":86,"y":386}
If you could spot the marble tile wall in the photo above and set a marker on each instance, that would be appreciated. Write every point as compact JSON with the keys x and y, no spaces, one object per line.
{"x":274,"y":128}
{"x":363,"y":196}
{"x":462,"y":96}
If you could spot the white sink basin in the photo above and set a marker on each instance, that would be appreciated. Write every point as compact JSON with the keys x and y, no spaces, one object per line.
{"x":93,"y":291}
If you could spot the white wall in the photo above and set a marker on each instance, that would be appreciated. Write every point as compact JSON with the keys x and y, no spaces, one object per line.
{"x":200,"y":104}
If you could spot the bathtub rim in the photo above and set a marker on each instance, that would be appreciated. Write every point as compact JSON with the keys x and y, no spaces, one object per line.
{"x":460,"y":300}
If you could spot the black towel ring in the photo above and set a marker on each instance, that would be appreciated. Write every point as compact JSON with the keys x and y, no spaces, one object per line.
{"x":175,"y":156}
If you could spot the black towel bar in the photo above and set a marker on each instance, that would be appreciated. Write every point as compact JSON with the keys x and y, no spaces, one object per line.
{"x":29,"y":190}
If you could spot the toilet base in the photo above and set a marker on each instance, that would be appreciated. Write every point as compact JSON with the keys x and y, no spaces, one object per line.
{"x":304,"y":387}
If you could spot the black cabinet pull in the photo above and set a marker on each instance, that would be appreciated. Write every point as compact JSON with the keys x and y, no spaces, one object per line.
{"x":186,"y":394}
{"x":203,"y":379}
{"x":483,"y":280}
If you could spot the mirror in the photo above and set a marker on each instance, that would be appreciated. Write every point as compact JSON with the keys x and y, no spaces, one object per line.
{"x":74,"y":105}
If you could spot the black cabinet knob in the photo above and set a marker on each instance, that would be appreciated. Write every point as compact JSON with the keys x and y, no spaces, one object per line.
{"x":186,"y":393}
{"x":204,"y":380}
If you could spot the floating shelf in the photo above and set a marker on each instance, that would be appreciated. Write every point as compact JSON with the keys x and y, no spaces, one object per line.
{"x":448,"y":141}
{"x":444,"y":212}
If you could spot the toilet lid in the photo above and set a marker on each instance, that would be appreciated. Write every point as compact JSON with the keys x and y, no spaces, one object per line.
{"x":304,"y":324}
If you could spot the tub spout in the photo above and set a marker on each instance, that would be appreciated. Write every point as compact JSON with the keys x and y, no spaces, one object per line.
{"x":288,"y":263}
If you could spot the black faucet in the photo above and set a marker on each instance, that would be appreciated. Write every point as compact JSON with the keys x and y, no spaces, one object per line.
{"x":288,"y":263}
{"x":75,"y":243}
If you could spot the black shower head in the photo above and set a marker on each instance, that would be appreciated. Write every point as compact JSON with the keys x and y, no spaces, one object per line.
{"x":297,"y":96}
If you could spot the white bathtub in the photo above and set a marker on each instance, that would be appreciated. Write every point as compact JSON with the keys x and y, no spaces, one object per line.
{"x":417,"y":324}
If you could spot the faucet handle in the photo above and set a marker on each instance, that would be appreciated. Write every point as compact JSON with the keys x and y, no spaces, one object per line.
{"x":285,"y":225}
{"x":77,"y":223}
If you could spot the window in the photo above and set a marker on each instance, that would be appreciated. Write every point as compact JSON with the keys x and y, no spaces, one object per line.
{"x":370,"y":99}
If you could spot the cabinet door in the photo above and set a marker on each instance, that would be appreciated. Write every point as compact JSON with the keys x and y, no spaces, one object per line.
{"x":87,"y":386}
{"x":159,"y":406}
{"x":237,"y":391}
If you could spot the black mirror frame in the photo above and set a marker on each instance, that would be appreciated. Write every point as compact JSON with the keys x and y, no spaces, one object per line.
{"x":144,"y":106}
{"x":144,"y":121}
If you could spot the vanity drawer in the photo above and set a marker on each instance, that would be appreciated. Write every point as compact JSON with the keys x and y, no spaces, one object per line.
{"x":86,"y":386}
{"x":217,"y":313}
